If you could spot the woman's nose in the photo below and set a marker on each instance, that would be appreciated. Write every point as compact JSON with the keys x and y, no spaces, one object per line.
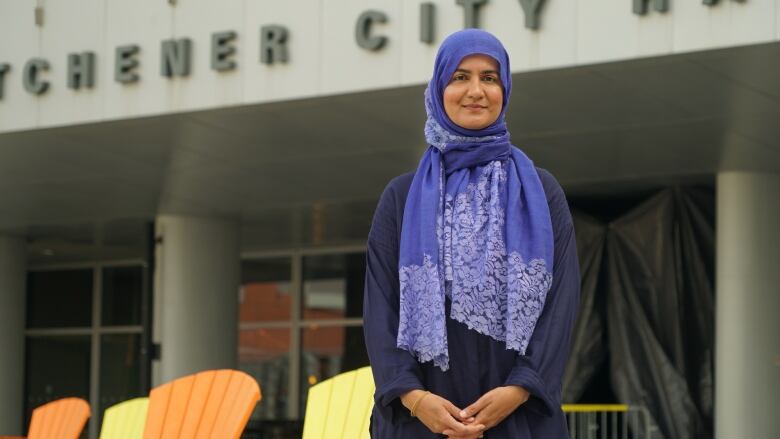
{"x":475,"y":88}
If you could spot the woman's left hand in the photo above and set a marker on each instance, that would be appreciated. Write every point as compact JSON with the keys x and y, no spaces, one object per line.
{"x":496,"y":405}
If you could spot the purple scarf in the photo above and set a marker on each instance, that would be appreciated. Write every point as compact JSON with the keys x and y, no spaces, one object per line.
{"x":476,"y":224}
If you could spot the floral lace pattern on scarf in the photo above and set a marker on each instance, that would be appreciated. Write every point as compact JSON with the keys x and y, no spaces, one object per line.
{"x":493,"y":293}
{"x":424,"y":300}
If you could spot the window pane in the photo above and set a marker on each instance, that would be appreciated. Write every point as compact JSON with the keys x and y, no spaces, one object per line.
{"x":333,"y":286}
{"x":265,"y":290}
{"x":328,"y":351}
{"x":265,"y":354}
{"x":122,"y":290}
{"x":59,"y":298}
{"x":57,"y":367}
{"x":120,"y":369}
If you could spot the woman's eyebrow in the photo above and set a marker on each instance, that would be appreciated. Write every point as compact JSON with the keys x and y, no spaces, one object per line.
{"x":484,"y":72}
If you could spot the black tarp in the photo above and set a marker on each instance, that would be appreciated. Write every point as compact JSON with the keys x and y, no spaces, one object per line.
{"x":648,"y":307}
{"x":588,"y":351}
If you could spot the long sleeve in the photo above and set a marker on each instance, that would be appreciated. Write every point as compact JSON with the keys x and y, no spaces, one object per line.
{"x":540,"y":371}
{"x":395,"y":371}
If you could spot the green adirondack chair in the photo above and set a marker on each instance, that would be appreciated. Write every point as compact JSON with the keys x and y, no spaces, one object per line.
{"x":340,"y":407}
{"x":125,"y":420}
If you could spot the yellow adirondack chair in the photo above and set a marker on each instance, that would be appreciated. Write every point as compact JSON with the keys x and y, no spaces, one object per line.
{"x":125,"y":420}
{"x":340,"y":407}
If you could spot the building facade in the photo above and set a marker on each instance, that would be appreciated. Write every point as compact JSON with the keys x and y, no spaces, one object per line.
{"x":188,"y":184}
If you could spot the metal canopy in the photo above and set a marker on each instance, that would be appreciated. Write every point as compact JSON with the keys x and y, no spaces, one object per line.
{"x":278,"y":167}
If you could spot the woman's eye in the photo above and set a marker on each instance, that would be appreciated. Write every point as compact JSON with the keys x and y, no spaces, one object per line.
{"x":459,"y":78}
{"x":490,"y":79}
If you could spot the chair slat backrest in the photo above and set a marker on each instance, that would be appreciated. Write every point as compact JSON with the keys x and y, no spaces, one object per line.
{"x":340,"y":407}
{"x":211,"y":404}
{"x":361,"y":405}
{"x":61,"y":419}
{"x":125,"y":420}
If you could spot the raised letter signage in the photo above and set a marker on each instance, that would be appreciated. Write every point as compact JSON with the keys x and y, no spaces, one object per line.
{"x":532,"y":10}
{"x":221,"y":50}
{"x":273,"y":44}
{"x":124,"y":67}
{"x":471,"y":11}
{"x":363,"y":30}
{"x":640,"y":6}
{"x":30,"y":76}
{"x":427,"y":12}
{"x":175,"y":57}
{"x":4,"y":68}
{"x":176,"y":54}
{"x":81,"y":70}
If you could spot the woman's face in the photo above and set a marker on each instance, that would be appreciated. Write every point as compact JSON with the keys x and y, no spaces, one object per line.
{"x":474,"y":96}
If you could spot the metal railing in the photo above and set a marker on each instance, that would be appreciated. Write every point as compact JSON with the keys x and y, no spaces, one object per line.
{"x":609,"y":421}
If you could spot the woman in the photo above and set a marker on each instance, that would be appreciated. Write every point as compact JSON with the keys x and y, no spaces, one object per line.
{"x":472,"y":282}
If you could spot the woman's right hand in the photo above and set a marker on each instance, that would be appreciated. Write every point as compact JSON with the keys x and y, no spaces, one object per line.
{"x":440,"y":415}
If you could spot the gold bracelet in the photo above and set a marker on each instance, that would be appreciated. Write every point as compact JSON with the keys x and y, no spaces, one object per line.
{"x":416,"y":403}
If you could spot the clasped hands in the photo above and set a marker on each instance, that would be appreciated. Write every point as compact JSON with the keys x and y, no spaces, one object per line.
{"x":441,"y":416}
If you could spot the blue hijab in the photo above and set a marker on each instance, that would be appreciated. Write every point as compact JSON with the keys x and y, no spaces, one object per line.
{"x":476,"y":226}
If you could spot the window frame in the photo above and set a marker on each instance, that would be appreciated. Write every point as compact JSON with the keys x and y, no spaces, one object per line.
{"x":297,"y":323}
{"x":96,"y":330}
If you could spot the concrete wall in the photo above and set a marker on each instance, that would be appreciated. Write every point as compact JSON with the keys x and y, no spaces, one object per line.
{"x":324,"y":57}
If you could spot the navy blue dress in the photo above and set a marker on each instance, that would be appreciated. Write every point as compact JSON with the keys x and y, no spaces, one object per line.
{"x":477,"y":362}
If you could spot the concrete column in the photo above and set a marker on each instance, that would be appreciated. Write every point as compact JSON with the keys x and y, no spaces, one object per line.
{"x":197,"y":280}
{"x":747,"y":336}
{"x":13,"y":277}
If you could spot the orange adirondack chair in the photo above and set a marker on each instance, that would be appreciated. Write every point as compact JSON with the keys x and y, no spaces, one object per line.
{"x":61,"y":419}
{"x":211,"y":404}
